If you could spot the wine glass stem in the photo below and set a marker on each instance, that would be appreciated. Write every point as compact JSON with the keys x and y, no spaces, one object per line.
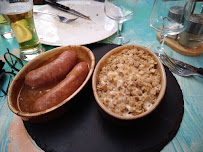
{"x":162,"y":43}
{"x":119,"y":29}
{"x":160,"y":48}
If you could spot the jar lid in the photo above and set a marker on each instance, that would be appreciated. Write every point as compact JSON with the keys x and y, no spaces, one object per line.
{"x":176,"y":13}
{"x":195,"y":24}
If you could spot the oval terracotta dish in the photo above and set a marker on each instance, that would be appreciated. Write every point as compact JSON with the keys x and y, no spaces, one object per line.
{"x":102,"y":63}
{"x":82,"y":52}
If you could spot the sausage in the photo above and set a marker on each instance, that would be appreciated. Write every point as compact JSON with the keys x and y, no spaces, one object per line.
{"x":52,"y":71}
{"x":64,"y":89}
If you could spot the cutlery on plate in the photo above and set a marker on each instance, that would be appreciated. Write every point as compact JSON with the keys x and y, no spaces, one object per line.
{"x":176,"y":68}
{"x":59,"y":17}
{"x":67,"y":9}
{"x":185,"y":65}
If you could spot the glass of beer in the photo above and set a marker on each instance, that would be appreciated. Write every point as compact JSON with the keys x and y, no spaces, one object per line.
{"x":20,"y":15}
{"x":5,"y":29}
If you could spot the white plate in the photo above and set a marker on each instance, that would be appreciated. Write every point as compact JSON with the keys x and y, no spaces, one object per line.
{"x":81,"y":31}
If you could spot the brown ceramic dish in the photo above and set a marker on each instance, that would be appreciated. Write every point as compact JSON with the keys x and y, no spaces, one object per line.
{"x":102,"y":62}
{"x":82,"y":53}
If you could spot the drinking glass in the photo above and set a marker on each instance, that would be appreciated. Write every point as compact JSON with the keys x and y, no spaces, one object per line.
{"x":20,"y":15}
{"x":120,"y":11}
{"x":169,"y":17}
{"x":5,"y":29}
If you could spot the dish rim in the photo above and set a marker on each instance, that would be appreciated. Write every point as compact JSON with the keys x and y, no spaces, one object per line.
{"x":103,"y":60}
{"x":19,"y":75}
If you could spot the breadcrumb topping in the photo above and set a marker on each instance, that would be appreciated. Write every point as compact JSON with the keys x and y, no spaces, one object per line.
{"x":129,"y":82}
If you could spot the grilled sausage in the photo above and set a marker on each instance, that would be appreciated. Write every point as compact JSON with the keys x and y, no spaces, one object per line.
{"x":52,"y":71}
{"x":64,"y":89}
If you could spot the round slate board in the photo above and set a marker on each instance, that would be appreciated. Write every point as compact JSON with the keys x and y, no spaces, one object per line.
{"x":83,"y":129}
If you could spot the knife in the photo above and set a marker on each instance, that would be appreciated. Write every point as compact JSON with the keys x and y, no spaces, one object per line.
{"x":186,"y":65}
{"x":67,"y":9}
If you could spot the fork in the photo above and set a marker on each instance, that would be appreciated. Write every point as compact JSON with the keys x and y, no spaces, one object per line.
{"x":59,"y":17}
{"x":176,"y":68}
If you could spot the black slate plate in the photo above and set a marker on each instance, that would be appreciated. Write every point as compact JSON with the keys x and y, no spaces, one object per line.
{"x":83,"y":129}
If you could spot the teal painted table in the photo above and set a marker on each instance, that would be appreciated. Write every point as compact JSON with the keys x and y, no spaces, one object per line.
{"x":189,"y":138}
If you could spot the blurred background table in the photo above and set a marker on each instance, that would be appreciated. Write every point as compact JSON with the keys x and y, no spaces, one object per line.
{"x":189,"y":137}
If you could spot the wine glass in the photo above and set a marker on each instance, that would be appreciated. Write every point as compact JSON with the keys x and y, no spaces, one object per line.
{"x":169,"y":17}
{"x":120,"y":11}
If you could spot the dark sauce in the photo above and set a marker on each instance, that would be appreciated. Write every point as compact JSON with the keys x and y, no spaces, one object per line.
{"x":27,"y":96}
